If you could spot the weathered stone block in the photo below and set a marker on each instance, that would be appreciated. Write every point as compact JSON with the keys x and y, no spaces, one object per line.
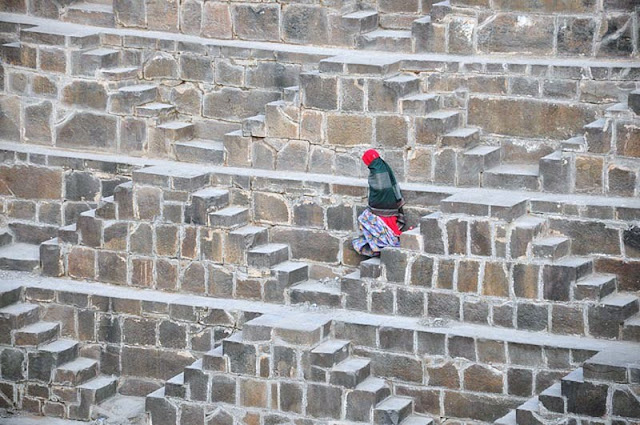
{"x":324,"y":401}
{"x":305,"y":24}
{"x":529,"y":117}
{"x":216,"y":20}
{"x":162,"y":15}
{"x":443,"y":375}
{"x":112,"y":267}
{"x":517,"y":33}
{"x":483,"y":379}
{"x":87,"y":130}
{"x":235,"y":104}
{"x":38,"y":117}
{"x":257,"y":21}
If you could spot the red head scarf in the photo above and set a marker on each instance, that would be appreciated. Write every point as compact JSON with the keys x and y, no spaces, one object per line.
{"x":369,"y":156}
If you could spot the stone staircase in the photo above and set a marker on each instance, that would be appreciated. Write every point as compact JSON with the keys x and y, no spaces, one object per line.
{"x":527,"y":276}
{"x":601,"y":389}
{"x":285,"y":357}
{"x":43,"y":372}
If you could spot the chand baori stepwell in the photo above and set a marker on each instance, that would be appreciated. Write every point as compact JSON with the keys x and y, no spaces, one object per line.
{"x":180,"y":182}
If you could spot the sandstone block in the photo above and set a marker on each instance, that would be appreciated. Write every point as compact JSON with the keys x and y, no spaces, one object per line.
{"x":87,"y":130}
{"x":349,"y":130}
{"x":517,"y":33}
{"x":216,"y":20}
{"x":257,"y":21}
{"x":38,"y":117}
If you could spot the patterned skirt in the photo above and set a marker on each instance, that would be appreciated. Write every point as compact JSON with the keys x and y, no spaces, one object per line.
{"x":375,"y":235}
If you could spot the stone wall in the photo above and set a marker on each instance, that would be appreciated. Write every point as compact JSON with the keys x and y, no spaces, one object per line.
{"x":567,"y":28}
{"x":145,"y":339}
{"x":39,"y":194}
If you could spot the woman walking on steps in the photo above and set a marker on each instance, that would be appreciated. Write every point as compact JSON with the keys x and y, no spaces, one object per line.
{"x":381,"y":224}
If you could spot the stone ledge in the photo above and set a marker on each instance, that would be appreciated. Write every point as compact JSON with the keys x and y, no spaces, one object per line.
{"x":415,"y":193}
{"x":280,"y":51}
{"x":129,"y":298}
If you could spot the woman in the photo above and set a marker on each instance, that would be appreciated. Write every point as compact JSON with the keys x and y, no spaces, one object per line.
{"x":381,"y":224}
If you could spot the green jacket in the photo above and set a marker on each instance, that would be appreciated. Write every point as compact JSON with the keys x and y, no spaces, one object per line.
{"x":385,"y":197}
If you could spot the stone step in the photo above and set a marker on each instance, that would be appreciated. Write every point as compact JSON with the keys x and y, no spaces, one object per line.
{"x":631,"y":329}
{"x":61,"y":350}
{"x":260,"y":328}
{"x":350,"y":372}
{"x":59,"y":35}
{"x":107,"y":209}
{"x":317,"y":293}
{"x":291,"y":94}
{"x":595,"y":286}
{"x":552,"y":399}
{"x":176,"y":176}
{"x":360,"y":65}
{"x":20,"y":256}
{"x":418,"y":420}
{"x":36,"y":334}
{"x":268,"y":255}
{"x":478,"y":203}
{"x":206,"y":201}
{"x":177,"y":131}
{"x":175,"y":387}
{"x":230,"y":217}
{"x":524,"y":230}
{"x":88,"y":62}
{"x":119,"y":74}
{"x":242,"y":239}
{"x":88,"y":13}
{"x":155,"y":110}
{"x":597,"y":135}
{"x":463,"y":138}
{"x":623,"y":305}
{"x":9,"y":296}
{"x":574,"y":144}
{"x":508,"y":419}
{"x":475,"y":161}
{"x":68,"y":234}
{"x":44,"y":361}
{"x":634,"y":101}
{"x":214,"y":360}
{"x":386,"y":40}
{"x":254,"y":126}
{"x":290,"y":272}
{"x":575,"y":390}
{"x":551,"y":247}
{"x":76,"y":372}
{"x":209,"y":152}
{"x":16,"y":316}
{"x":364,"y":397}
{"x":620,"y":110}
{"x":362,"y":21}
{"x":434,"y":125}
{"x":559,"y":276}
{"x":420,"y":104}
{"x":6,"y":238}
{"x":302,"y":330}
{"x":619,"y":365}
{"x":555,"y":172}
{"x":526,"y":412}
{"x":392,"y":411}
{"x":512,"y":177}
{"x":371,"y":268}
{"x":98,"y":389}
{"x":125,"y":99}
{"x":329,"y":353}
